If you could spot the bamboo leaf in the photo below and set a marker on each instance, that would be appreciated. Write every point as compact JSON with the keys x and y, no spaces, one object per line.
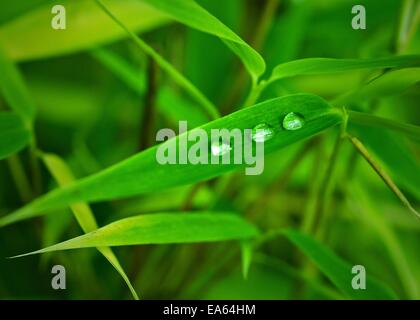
{"x":163,"y":228}
{"x":143,"y":174}
{"x":383,"y":174}
{"x":13,"y":134}
{"x":82,"y":212}
{"x":30,"y":36}
{"x":194,"y":16}
{"x":397,"y":157}
{"x":336,"y":269}
{"x":14,"y":90}
{"x":390,"y":83}
{"x":246,"y":257}
{"x":374,"y":121}
{"x":169,"y":103}
{"x":165,"y":65}
{"x":328,"y":65}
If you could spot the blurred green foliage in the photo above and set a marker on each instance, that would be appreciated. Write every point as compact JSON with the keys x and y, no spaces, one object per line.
{"x":99,"y":99}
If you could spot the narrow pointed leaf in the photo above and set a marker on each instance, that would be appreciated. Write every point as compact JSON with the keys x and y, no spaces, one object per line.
{"x":177,"y":76}
{"x":83,"y":213}
{"x":337,"y":270}
{"x":370,"y":120}
{"x":163,"y":228}
{"x":394,"y":154}
{"x":191,"y":14}
{"x":328,"y":65}
{"x":14,"y":90}
{"x":143,"y":174}
{"x":391,"y":83}
{"x":13,"y":134}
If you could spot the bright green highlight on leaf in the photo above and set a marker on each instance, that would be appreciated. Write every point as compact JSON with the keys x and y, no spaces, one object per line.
{"x":161,"y":228}
{"x":327,"y":65}
{"x":82,"y":212}
{"x":336,"y":269}
{"x":142,"y":174}
{"x":165,"y":65}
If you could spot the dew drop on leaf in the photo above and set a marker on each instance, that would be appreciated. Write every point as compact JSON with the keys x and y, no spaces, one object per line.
{"x":262,"y":132}
{"x":219,"y":148}
{"x":293,"y":121}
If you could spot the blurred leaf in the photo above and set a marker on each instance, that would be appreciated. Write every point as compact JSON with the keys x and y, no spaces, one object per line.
{"x":390,"y":83}
{"x":327,"y":65}
{"x":30,"y":36}
{"x":142,"y":173}
{"x":246,"y":255}
{"x":54,"y":228}
{"x":169,"y":103}
{"x":10,"y":10}
{"x":215,"y":81}
{"x":133,"y":78}
{"x":162,"y":228}
{"x":191,"y":14}
{"x":13,"y":134}
{"x":178,"y":77}
{"x":391,"y":150}
{"x":82,"y":212}
{"x":338,"y":270}
{"x":386,"y":178}
{"x":14,"y":90}
{"x":370,"y":120}
{"x":375,"y":220}
{"x":288,"y":33}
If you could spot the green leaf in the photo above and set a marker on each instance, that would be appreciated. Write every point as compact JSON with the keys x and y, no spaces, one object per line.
{"x":179,"y":78}
{"x":337,"y":270}
{"x":133,"y":78}
{"x":30,"y":36}
{"x":142,"y":173}
{"x":394,"y":154}
{"x":82,"y":212}
{"x":246,"y":257}
{"x":10,"y":10}
{"x":386,"y":178}
{"x":169,"y":103}
{"x":390,"y":83}
{"x":370,"y":120}
{"x":366,"y":209}
{"x":13,"y":134}
{"x":194,"y":16}
{"x":327,"y":65}
{"x":163,"y":228}
{"x":14,"y":90}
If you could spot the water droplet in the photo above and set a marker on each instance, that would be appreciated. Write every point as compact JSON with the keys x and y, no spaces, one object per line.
{"x":262,"y":132}
{"x":219,"y":148}
{"x":293,"y":121}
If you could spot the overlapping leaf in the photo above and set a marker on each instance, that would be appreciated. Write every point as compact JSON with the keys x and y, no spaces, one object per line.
{"x":161,"y":228}
{"x":327,"y":65}
{"x":338,"y":270}
{"x":31,"y":36}
{"x":191,"y":14}
{"x":13,"y":134}
{"x":83,"y":213}
{"x":142,"y":173}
